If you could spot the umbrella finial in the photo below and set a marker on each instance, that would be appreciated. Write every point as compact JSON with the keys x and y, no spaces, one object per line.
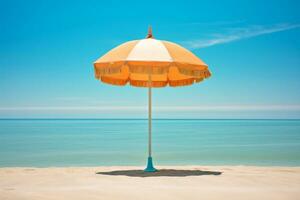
{"x":149,"y":32}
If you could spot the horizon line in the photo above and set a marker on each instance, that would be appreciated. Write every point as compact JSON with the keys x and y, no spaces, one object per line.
{"x":294,"y":108}
{"x":47,"y":118}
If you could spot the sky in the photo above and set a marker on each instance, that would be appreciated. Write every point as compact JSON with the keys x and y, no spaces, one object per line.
{"x":47,"y":50}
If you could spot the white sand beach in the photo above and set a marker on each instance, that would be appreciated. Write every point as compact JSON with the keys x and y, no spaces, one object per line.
{"x":187,"y":182}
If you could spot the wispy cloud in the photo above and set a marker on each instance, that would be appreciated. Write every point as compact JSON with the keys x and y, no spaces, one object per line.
{"x":215,"y":23}
{"x":234,"y":34}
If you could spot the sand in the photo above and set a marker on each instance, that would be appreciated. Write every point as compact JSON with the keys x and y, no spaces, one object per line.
{"x":188,"y":182}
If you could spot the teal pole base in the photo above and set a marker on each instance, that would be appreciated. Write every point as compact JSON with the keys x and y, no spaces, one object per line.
{"x":150,"y":167}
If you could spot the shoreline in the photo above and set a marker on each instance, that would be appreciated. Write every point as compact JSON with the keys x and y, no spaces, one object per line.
{"x":143,"y":166}
{"x":156,"y":166}
{"x":170,"y":182}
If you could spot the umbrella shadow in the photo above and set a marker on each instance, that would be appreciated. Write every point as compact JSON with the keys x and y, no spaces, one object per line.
{"x":159,"y":173}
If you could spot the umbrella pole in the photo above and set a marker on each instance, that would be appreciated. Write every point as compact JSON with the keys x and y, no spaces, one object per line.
{"x":150,"y":167}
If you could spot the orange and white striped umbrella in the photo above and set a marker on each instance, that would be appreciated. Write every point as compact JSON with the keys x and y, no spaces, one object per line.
{"x":167,"y":63}
{"x":150,"y":63}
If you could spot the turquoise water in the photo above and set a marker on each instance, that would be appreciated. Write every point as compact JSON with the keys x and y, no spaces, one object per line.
{"x":44,"y":143}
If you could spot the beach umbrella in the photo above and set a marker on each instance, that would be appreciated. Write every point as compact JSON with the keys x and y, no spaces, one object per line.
{"x":150,"y":63}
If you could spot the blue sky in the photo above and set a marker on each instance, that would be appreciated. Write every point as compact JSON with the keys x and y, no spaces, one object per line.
{"x":47,"y":50}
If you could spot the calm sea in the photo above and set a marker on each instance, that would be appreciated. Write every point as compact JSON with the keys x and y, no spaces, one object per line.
{"x":43,"y":143}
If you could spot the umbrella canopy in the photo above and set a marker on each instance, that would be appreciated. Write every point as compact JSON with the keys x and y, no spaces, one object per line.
{"x":150,"y":63}
{"x":167,"y":62}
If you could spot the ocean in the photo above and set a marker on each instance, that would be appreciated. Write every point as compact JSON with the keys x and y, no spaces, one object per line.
{"x":108,"y":142}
